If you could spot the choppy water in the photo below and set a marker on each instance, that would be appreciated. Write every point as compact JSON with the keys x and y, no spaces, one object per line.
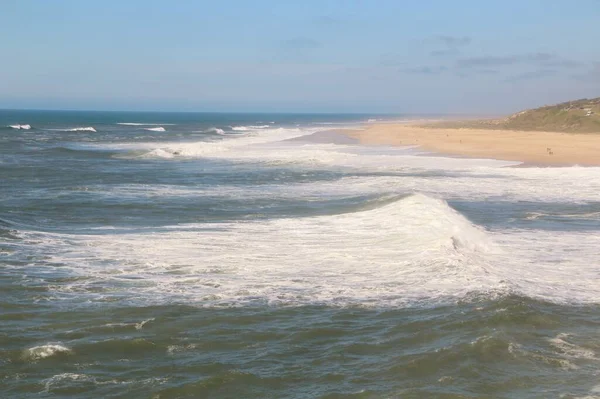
{"x":253,"y":256}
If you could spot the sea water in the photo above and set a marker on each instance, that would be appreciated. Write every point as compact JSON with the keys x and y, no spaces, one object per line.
{"x":192,"y":255}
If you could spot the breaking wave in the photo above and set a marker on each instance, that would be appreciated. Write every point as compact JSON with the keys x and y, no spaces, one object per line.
{"x":214,"y":130}
{"x":411,"y":249}
{"x":399,"y":251}
{"x":80,"y":129}
{"x":43,"y":351}
{"x":143,"y":124}
{"x":155,"y":129}
{"x":247,"y":128}
{"x":20,"y":127}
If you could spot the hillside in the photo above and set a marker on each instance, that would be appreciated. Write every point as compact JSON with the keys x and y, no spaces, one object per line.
{"x":579,"y":116}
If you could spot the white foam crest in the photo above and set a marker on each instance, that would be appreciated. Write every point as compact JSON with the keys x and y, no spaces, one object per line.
{"x":214,"y":130}
{"x":155,"y":129}
{"x":158,"y":153}
{"x":557,"y":266}
{"x":81,"y":129}
{"x":20,"y":127}
{"x":272,"y":146}
{"x":413,"y":249}
{"x":251,"y":127}
{"x":141,"y":324}
{"x":144,"y":124}
{"x":582,"y":216}
{"x":548,"y":185}
{"x":72,"y":380}
{"x":75,"y":129}
{"x":43,"y":351}
{"x":570,"y":350}
{"x":235,"y":148}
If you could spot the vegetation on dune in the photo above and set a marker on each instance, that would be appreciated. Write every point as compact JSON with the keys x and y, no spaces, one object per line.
{"x":579,"y":116}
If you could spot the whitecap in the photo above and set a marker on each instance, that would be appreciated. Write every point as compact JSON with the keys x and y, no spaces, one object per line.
{"x":247,"y":128}
{"x":155,"y":129}
{"x":81,"y":129}
{"x":44,"y":351}
{"x":215,"y":130}
{"x":570,"y":350}
{"x":20,"y":127}
{"x":158,"y":153}
{"x":141,"y":324}
{"x":143,"y":124}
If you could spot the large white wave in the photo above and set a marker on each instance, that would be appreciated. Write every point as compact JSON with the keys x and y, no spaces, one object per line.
{"x":20,"y":127}
{"x":412,"y":250}
{"x":155,"y":129}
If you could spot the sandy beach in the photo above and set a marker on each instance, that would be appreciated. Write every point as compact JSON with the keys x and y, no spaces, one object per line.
{"x":537,"y":148}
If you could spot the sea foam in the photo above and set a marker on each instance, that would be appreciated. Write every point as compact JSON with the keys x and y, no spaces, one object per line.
{"x":413,"y":248}
{"x":143,"y":124}
{"x":247,"y":128}
{"x":214,"y":130}
{"x":81,"y":129}
{"x":44,"y":351}
{"x":20,"y":127}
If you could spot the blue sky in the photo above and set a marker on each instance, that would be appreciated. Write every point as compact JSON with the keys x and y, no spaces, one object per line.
{"x":468,"y":57}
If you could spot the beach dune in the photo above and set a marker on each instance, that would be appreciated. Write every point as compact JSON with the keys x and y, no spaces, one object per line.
{"x":529,"y":147}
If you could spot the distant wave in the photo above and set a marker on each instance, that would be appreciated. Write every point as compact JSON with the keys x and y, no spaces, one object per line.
{"x":44,"y":351}
{"x":215,"y":130}
{"x":251,"y":127}
{"x":155,"y":129}
{"x":80,"y":129}
{"x":20,"y":127}
{"x":143,"y":124}
{"x":75,"y":129}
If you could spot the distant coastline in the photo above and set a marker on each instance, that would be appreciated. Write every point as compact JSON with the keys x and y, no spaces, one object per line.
{"x":536,"y":148}
{"x":565,"y":134}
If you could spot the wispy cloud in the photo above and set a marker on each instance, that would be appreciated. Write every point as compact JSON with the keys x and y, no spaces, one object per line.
{"x":455,"y":41}
{"x":450,"y":45}
{"x":536,"y":59}
{"x":531,"y":75}
{"x":426,"y":70}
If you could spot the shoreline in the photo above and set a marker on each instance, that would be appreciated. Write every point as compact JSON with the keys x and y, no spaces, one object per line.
{"x":531,"y":148}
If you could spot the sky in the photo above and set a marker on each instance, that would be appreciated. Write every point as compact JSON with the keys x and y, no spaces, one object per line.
{"x":373,"y":56}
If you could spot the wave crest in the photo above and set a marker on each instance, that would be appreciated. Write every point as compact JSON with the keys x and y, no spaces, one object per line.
{"x":215,"y":130}
{"x":81,"y":129}
{"x":43,"y":351}
{"x":247,"y":128}
{"x":403,"y":250}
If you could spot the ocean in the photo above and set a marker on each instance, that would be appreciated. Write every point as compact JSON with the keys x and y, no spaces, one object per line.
{"x":216,"y":255}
